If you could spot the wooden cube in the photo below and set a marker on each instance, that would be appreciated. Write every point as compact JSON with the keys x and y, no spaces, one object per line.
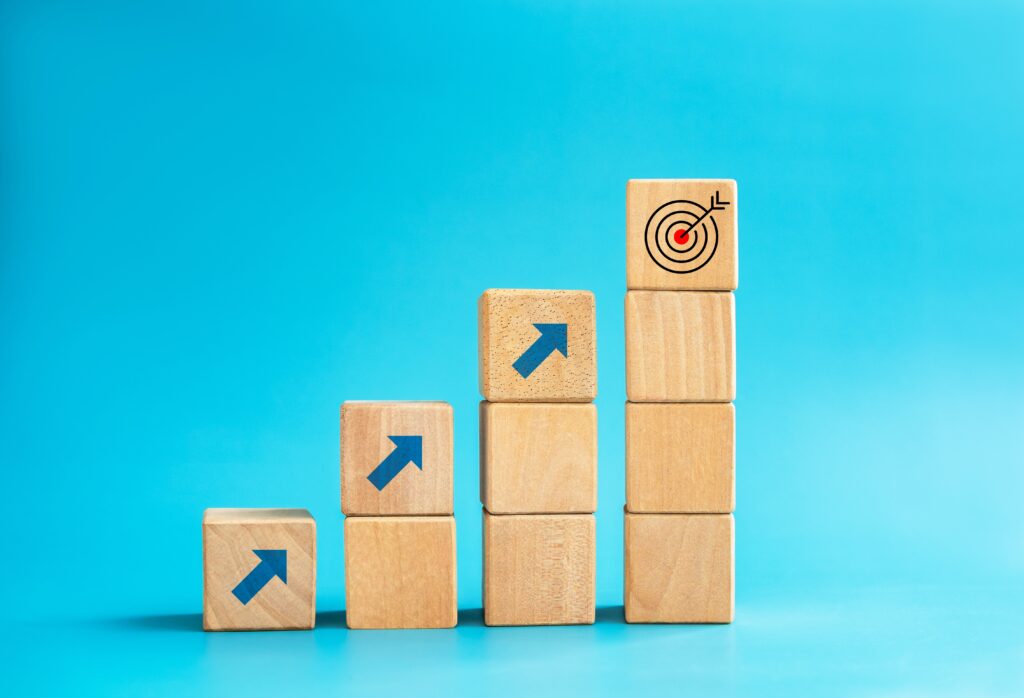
{"x":538,"y":458}
{"x":400,"y":572}
{"x":259,"y":569}
{"x":681,"y":234}
{"x":679,"y":568}
{"x":680,"y":457}
{"x":537,"y":346}
{"x":680,"y":346}
{"x":539,"y":569}
{"x":396,"y":458}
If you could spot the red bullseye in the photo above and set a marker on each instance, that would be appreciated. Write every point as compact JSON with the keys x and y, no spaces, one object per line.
{"x":681,"y":236}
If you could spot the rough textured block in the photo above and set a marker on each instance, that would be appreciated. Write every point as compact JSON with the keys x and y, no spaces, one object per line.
{"x":680,"y":346}
{"x":679,"y":568}
{"x":681,"y":234}
{"x":538,"y":458}
{"x":259,"y":569}
{"x":396,"y":458}
{"x":400,"y":572}
{"x":537,"y":346}
{"x":539,"y":570}
{"x":680,"y":457}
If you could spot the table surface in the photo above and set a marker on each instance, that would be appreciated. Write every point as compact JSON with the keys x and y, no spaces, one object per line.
{"x":869,"y":641}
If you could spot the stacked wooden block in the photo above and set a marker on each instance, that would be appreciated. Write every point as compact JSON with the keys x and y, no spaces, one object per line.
{"x":397,"y":496}
{"x":538,"y":455}
{"x":681,"y":265}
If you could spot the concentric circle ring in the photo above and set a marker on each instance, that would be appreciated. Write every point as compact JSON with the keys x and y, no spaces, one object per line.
{"x":659,"y":236}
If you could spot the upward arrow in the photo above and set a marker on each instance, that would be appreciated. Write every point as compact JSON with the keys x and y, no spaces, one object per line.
{"x":273,"y":563}
{"x":407,"y":449}
{"x":552,"y":336}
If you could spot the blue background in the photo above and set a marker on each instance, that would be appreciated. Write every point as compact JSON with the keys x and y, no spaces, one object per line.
{"x":220,"y":220}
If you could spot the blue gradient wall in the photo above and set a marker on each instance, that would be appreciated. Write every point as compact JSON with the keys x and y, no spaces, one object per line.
{"x":220,"y":220}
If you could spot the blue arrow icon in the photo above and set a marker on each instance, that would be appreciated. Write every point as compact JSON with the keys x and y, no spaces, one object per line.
{"x":552,"y":336}
{"x":408,"y":449}
{"x":273,"y":563}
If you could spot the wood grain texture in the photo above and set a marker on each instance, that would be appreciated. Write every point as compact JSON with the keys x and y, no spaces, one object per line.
{"x":229,"y":538}
{"x":538,"y":458}
{"x":680,"y":346}
{"x":680,"y":457}
{"x":400,"y":572}
{"x":643,"y":198}
{"x":506,"y":325}
{"x":365,"y":428}
{"x":679,"y":568}
{"x":539,"y":569}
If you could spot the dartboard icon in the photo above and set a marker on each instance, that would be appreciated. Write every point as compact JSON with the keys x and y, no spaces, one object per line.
{"x":682,"y":235}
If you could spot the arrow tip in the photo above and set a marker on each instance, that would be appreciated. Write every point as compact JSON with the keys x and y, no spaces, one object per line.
{"x":557,"y":333}
{"x":411,"y":447}
{"x":277,"y":560}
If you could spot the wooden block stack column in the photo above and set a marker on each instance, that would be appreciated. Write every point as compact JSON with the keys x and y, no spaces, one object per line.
{"x":397,"y":495}
{"x":538,"y":455}
{"x":681,"y":270}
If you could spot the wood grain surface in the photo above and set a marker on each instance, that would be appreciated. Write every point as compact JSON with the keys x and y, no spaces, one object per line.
{"x":538,"y":458}
{"x":539,"y":569}
{"x":365,"y":428}
{"x":680,"y":346}
{"x":679,"y":568}
{"x":506,"y":330}
{"x":680,"y":457}
{"x":400,"y":572}
{"x":229,"y":538}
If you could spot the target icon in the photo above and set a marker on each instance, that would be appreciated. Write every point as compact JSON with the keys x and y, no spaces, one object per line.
{"x":682,"y":235}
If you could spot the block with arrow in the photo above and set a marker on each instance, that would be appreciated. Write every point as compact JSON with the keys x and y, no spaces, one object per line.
{"x":537,"y":346}
{"x":396,"y":458}
{"x":259,"y":569}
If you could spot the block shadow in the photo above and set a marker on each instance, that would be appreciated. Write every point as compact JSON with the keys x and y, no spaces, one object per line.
{"x":471,"y":617}
{"x":331,"y":619}
{"x":193,"y":622}
{"x":164,"y":622}
{"x":610,"y":614}
{"x":474,"y":617}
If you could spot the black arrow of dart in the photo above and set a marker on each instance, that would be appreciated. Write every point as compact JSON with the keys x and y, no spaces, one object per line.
{"x":716,"y":205}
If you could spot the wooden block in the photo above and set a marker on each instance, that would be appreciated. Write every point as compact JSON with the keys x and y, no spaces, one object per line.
{"x":400,"y":572}
{"x":396,"y":458}
{"x":537,"y":346}
{"x":539,"y":569}
{"x":680,"y":346}
{"x":679,"y":568}
{"x":259,"y":569}
{"x":681,"y":234}
{"x":680,"y":457}
{"x":538,"y":458}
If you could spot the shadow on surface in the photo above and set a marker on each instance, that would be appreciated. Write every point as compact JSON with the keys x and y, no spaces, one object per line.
{"x":193,"y":622}
{"x":472,"y":617}
{"x":167,"y":622}
{"x":331,"y":619}
{"x":610,"y":614}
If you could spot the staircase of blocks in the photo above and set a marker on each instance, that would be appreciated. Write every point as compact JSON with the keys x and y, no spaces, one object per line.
{"x":538,"y":458}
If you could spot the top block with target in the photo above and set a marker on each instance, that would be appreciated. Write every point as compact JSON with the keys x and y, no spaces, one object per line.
{"x":681,"y":235}
{"x":537,"y":346}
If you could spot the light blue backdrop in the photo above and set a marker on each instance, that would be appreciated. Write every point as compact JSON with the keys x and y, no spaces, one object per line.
{"x":219,"y":220}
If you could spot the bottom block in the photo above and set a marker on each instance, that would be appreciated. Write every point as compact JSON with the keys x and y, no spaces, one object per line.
{"x":679,"y":568}
{"x":539,"y":569}
{"x":259,"y":569}
{"x":400,"y":572}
